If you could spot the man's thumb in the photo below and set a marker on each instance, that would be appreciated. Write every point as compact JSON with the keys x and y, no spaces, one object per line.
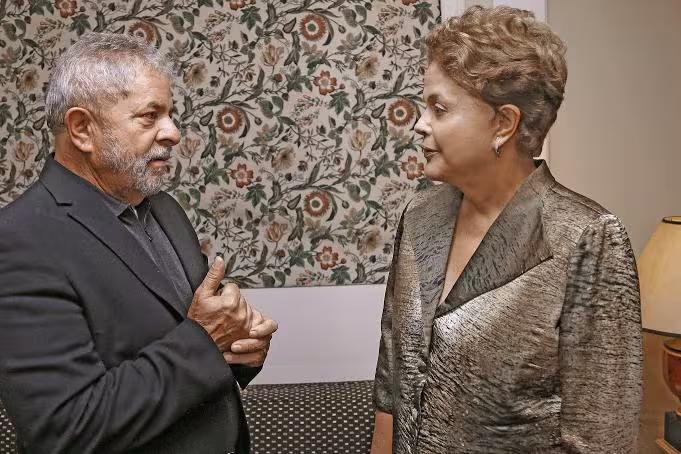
{"x":213,"y":278}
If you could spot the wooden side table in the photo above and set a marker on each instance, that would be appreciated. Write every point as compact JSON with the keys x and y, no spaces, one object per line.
{"x":666,"y":447}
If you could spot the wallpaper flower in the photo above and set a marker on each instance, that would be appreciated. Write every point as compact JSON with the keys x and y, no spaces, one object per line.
{"x":298,"y":151}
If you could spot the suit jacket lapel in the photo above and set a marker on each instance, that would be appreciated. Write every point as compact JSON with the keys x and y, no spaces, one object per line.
{"x":85,"y":206}
{"x":514,"y":244}
{"x":182,"y":236}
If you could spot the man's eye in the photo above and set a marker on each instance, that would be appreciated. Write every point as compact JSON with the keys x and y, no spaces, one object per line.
{"x":438,"y":108}
{"x":150,"y":115}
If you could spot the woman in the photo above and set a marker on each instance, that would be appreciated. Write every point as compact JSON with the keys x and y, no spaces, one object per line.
{"x":511,"y":320}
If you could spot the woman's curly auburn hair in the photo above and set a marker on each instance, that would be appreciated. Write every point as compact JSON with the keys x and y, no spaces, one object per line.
{"x":504,"y":55}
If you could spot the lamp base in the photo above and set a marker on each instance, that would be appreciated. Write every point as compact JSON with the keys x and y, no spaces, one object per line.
{"x":672,"y":429}
{"x":666,"y":447}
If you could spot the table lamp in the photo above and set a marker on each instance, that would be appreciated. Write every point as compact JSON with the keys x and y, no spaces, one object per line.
{"x":659,"y":271}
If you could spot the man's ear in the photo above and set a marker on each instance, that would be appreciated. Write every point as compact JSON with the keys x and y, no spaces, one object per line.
{"x":82,"y":129}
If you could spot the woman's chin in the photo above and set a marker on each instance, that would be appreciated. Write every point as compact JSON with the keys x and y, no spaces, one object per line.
{"x":432,"y":171}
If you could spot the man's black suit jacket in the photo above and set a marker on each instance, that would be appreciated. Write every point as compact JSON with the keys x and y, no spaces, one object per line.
{"x":96,"y":352}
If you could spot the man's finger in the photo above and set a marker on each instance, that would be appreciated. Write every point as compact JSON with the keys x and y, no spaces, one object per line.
{"x":266,"y":328}
{"x":212,"y":280}
{"x":248,"y":359}
{"x":251,"y":345}
{"x":248,"y":317}
{"x":231,"y":291}
{"x":257,"y":317}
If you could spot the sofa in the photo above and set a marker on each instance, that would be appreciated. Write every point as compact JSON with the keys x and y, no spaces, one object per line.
{"x":309,"y":418}
{"x":8,"y":438}
{"x":312,"y":418}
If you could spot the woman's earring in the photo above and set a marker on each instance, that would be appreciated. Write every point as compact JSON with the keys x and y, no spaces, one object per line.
{"x":497,"y":147}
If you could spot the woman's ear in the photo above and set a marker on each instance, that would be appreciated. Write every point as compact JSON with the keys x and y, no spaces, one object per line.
{"x":507,"y":121}
{"x":81,"y":127}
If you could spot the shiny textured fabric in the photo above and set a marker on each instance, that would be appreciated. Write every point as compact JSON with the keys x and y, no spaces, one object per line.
{"x":537,"y":348}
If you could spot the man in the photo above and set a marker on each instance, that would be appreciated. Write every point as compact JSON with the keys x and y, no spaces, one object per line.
{"x":114,"y":335}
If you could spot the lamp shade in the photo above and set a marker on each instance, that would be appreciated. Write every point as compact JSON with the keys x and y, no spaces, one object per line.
{"x":659,"y":271}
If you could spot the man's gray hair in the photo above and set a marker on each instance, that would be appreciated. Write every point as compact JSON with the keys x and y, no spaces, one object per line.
{"x":98,"y":70}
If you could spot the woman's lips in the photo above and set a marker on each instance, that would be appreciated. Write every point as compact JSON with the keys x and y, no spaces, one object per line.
{"x":429,"y":153}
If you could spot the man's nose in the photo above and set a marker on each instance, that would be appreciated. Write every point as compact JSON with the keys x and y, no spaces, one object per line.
{"x":168,"y":135}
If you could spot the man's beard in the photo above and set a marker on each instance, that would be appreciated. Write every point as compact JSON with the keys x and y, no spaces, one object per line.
{"x":142,"y":179}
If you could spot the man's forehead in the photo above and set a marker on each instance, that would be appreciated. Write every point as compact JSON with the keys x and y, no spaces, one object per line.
{"x":151,"y":90}
{"x":147,"y":101}
{"x":157,"y":105}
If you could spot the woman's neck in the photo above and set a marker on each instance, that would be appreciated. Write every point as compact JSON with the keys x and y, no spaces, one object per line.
{"x":488,"y":192}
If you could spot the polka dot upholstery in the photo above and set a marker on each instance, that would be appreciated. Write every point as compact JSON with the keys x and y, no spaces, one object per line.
{"x":310,"y":418}
{"x":8,"y":438}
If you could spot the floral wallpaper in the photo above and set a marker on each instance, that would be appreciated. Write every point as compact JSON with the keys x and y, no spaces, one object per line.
{"x":297,"y":154}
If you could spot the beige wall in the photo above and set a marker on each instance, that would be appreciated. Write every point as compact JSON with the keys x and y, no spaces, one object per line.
{"x":618,"y":134}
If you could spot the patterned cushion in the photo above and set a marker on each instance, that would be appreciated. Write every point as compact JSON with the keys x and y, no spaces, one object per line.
{"x":8,"y":438}
{"x":311,"y":418}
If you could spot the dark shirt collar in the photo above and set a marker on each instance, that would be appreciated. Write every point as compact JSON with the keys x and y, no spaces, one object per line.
{"x":143,"y":210}
{"x":116,"y":206}
{"x":123,"y":210}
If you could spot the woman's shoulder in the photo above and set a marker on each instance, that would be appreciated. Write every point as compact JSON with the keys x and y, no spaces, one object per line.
{"x":569,"y":214}
{"x":568,"y":202}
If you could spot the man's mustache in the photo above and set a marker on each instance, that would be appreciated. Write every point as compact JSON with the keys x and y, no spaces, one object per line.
{"x":162,"y":153}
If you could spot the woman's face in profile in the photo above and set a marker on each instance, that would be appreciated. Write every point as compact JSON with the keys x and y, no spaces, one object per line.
{"x":457,"y":128}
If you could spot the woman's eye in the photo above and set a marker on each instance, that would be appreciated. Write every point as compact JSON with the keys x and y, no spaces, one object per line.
{"x":439,"y":109}
{"x":150,"y":115}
